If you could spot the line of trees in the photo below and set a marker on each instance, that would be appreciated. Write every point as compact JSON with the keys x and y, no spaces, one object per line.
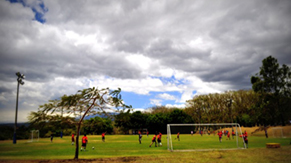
{"x":156,"y":121}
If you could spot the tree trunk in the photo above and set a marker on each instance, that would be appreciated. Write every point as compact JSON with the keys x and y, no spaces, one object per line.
{"x":77,"y":141}
{"x":281,"y":114}
{"x":78,"y":130}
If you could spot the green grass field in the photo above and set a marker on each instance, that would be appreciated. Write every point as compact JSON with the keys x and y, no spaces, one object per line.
{"x":128,"y":146}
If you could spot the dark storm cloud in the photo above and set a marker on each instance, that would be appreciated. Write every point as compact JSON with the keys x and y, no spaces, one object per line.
{"x":217,"y":42}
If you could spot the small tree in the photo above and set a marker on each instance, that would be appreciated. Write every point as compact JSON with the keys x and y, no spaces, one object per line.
{"x":96,"y":101}
{"x":86,"y":102}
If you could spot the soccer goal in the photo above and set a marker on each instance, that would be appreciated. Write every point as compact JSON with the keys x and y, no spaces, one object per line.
{"x":277,"y":132}
{"x":34,"y":136}
{"x":204,"y":141}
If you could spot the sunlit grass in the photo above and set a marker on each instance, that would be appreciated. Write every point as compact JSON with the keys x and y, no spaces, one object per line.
{"x":128,"y":146}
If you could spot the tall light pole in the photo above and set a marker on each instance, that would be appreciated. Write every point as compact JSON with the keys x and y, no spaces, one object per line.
{"x":20,"y":78}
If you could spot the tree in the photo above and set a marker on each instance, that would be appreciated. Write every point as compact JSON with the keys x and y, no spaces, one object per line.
{"x":97,"y":101}
{"x":86,"y":102}
{"x":98,"y":125}
{"x":158,"y":122}
{"x":138,"y":120}
{"x":273,"y":84}
{"x":179,"y":116}
{"x":217,"y":108}
{"x":122,"y":120}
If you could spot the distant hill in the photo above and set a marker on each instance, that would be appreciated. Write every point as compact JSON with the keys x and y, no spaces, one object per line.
{"x":26,"y":124}
{"x":110,"y":115}
{"x":12,"y":124}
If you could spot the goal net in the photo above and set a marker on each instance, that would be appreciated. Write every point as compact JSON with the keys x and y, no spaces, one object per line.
{"x":34,"y":136}
{"x":277,"y":132}
{"x":204,"y":137}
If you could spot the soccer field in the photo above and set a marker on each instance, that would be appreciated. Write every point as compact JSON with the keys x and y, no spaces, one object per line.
{"x":125,"y":146}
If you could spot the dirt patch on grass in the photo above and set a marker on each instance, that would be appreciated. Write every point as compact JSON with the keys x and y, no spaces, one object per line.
{"x":100,"y":160}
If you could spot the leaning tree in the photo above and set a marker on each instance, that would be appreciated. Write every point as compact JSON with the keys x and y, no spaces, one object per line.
{"x":96,"y":101}
{"x":90,"y":101}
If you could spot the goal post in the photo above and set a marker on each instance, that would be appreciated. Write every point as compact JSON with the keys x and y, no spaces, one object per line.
{"x":211,"y":138}
{"x":277,"y":132}
{"x":34,"y":136}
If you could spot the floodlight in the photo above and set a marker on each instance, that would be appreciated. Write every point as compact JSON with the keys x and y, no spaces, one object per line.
{"x":20,"y":78}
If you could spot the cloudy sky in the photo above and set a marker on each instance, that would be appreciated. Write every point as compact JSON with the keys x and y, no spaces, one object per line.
{"x":159,"y":52}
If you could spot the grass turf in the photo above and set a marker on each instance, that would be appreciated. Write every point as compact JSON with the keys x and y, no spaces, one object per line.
{"x":128,"y":146}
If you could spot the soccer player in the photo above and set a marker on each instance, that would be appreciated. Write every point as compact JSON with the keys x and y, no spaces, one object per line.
{"x":220,"y":135}
{"x":147,"y":133}
{"x":191,"y":133}
{"x":228,"y":135}
{"x":52,"y":137}
{"x":233,"y":133}
{"x":154,"y":140}
{"x":246,"y":133}
{"x":103,"y":136}
{"x":160,"y":139}
{"x":73,"y":139}
{"x":178,"y":136}
{"x":245,"y":137}
{"x":139,"y":137}
{"x":84,"y":142}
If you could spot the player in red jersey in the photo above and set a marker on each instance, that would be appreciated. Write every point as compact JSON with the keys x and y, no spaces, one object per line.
{"x":103,"y":136}
{"x":73,"y":139}
{"x":178,"y":136}
{"x":84,"y":142}
{"x":220,"y":135}
{"x":245,"y":137}
{"x":228,"y":135}
{"x":154,"y":140}
{"x":160,"y":139}
{"x":246,"y":133}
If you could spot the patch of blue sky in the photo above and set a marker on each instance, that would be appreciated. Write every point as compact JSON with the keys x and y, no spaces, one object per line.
{"x":144,"y":101}
{"x":38,"y":9}
{"x":172,"y":80}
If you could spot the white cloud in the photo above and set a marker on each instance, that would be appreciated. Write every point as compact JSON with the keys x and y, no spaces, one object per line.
{"x":156,"y":102}
{"x":205,"y":46}
{"x":140,"y":61}
{"x":166,"y":96}
{"x":176,"y":106}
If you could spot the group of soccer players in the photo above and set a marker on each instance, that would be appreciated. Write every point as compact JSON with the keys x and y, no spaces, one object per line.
{"x":157,"y":137}
{"x":226,"y":133}
{"x":85,"y":140}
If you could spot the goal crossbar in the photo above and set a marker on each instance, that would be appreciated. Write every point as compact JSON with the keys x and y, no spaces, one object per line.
{"x":236,"y":125}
